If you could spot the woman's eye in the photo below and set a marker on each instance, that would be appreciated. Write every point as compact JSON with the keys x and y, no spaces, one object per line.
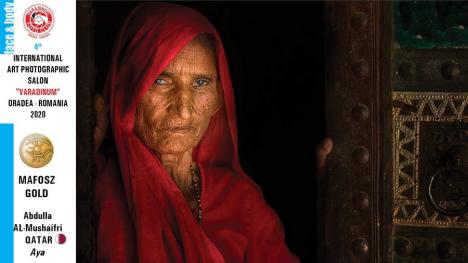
{"x":160,"y":82}
{"x":201,"y":82}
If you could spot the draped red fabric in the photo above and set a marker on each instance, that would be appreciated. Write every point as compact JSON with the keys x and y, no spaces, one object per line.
{"x":142,"y":214}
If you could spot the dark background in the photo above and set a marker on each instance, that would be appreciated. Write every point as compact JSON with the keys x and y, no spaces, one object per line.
{"x":275,"y":54}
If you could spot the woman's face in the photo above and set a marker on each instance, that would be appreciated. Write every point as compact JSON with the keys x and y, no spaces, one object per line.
{"x":175,"y":112}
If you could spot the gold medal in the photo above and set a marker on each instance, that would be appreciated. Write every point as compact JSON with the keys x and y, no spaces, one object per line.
{"x":36,"y":150}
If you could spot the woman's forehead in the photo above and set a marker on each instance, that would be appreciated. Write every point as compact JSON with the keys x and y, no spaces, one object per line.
{"x":196,"y":58}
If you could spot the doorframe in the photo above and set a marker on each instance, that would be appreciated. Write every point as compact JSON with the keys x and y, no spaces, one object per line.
{"x":357,"y":210}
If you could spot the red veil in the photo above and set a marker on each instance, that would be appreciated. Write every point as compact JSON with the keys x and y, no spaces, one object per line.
{"x":142,"y":215}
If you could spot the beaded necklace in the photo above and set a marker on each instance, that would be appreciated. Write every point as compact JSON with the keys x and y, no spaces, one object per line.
{"x":196,"y":192}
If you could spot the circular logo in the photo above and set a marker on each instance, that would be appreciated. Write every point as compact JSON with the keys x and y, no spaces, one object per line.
{"x":60,"y":239}
{"x":36,"y":150}
{"x":448,"y":191}
{"x":39,"y":20}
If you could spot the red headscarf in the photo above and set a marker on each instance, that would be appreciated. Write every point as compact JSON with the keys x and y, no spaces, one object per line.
{"x":142,"y":214}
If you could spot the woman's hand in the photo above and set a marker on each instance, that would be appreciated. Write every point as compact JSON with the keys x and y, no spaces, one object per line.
{"x":322,"y":151}
{"x":102,"y":121}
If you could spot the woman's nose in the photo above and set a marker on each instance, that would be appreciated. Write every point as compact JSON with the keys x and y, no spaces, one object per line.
{"x":183,"y":103}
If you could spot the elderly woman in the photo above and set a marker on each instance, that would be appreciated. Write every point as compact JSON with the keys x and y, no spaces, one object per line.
{"x":175,"y":191}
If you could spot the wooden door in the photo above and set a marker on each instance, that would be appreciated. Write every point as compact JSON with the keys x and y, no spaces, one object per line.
{"x":397,"y":89}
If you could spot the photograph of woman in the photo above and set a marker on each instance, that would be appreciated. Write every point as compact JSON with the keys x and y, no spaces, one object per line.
{"x":174,"y":190}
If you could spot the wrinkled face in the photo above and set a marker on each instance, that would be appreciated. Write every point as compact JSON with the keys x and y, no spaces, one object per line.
{"x":175,"y":112}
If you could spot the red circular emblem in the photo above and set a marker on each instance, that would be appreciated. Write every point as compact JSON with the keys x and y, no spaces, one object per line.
{"x":38,"y":20}
{"x":60,"y":239}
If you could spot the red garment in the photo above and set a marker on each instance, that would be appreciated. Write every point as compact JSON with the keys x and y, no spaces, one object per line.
{"x":142,"y":214}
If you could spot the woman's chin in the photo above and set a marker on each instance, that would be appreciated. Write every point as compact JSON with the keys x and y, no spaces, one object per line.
{"x":175,"y":147}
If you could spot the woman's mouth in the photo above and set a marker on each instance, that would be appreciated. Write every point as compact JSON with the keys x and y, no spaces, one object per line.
{"x":181,"y":129}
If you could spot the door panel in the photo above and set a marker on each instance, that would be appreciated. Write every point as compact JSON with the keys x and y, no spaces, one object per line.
{"x":430,"y":132}
{"x":430,"y":180}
